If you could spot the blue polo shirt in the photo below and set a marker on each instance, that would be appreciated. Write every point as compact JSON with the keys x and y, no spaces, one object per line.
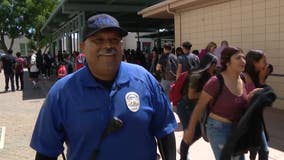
{"x":78,"y":108}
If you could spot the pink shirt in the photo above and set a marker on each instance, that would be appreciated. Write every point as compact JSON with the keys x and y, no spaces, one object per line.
{"x":217,"y":52}
{"x":250,"y":86}
{"x":227,"y":105}
{"x":202,"y":53}
{"x":20,"y":63}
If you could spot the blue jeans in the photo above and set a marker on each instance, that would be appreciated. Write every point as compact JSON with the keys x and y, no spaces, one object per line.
{"x":218,"y":133}
{"x":166,"y":85}
{"x":185,"y":108}
{"x":262,"y":151}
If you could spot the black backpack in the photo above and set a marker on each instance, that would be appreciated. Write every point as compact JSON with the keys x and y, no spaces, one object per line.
{"x":171,"y":67}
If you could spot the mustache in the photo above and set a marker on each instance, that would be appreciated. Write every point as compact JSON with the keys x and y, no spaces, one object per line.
{"x":108,"y":51}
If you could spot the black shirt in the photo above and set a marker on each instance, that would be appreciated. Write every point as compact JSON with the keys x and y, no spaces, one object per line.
{"x":8,"y":62}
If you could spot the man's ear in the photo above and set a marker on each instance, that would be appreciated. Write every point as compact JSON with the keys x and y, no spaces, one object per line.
{"x":82,"y":46}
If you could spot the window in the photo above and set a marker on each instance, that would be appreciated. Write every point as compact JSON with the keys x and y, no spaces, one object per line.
{"x":23,"y":49}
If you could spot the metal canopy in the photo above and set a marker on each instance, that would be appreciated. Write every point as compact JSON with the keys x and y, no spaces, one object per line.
{"x":124,"y":10}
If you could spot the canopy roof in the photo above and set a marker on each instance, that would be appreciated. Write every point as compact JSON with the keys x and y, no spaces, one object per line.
{"x":124,"y":10}
{"x":166,"y":9}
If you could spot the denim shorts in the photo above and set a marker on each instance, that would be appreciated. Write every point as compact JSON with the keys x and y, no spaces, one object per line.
{"x":218,"y":133}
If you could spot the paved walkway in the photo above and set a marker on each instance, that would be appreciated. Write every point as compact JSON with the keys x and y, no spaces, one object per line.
{"x":19,"y":110}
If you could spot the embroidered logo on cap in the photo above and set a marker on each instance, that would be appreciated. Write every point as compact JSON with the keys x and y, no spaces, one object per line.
{"x":102,"y":21}
{"x":132,"y":101}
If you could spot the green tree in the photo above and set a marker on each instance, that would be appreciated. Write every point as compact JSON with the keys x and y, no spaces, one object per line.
{"x":24,"y":18}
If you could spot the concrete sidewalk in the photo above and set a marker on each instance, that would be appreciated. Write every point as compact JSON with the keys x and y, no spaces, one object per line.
{"x":19,"y":110}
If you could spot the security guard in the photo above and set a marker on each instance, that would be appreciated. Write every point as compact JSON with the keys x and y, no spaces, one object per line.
{"x":108,"y":109}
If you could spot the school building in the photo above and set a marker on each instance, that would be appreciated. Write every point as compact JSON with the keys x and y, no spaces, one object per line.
{"x":248,"y":24}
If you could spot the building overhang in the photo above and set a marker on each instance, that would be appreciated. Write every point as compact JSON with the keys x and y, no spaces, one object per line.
{"x":167,"y":9}
{"x":124,"y":10}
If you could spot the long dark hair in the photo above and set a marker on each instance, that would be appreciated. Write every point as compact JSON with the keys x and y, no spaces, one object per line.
{"x":226,"y":55}
{"x":252,"y":57}
{"x":206,"y":62}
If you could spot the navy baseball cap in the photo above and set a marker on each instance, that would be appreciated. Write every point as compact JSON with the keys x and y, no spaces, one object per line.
{"x":99,"y":22}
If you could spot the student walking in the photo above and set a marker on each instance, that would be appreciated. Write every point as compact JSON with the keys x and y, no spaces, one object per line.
{"x":8,"y":62}
{"x":256,"y":72}
{"x":229,"y":105}
{"x":187,"y":61}
{"x":34,"y":70}
{"x":167,"y":68}
{"x":20,"y":63}
{"x":185,"y":107}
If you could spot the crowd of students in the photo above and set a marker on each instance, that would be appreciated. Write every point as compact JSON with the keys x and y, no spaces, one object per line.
{"x":39,"y":65}
{"x":242,"y":74}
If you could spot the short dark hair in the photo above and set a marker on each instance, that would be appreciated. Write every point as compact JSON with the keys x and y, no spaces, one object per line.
{"x":10,"y":51}
{"x":66,"y":55}
{"x":18,"y":54}
{"x":196,"y":52}
{"x":187,"y":45}
{"x":179,"y":51}
{"x":167,"y":46}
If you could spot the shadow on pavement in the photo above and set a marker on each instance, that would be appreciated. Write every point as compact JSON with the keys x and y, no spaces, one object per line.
{"x":36,"y":93}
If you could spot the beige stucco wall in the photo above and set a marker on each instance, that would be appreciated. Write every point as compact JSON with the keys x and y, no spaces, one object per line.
{"x":249,"y":24}
{"x":16,"y":45}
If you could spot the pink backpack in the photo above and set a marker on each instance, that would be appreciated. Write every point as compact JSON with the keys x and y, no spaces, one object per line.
{"x":62,"y":71}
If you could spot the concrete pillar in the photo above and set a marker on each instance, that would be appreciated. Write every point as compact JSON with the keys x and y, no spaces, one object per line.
{"x":82,"y":22}
{"x":69,"y":43}
{"x":138,"y":46}
{"x":59,"y":44}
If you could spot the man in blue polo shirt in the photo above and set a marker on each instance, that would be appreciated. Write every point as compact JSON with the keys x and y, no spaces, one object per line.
{"x":107,"y":110}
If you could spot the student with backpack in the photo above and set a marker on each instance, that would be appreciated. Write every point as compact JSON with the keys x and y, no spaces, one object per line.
{"x":193,"y":88}
{"x":34,"y":70}
{"x":19,"y":68}
{"x":65,"y":67}
{"x":80,"y":60}
{"x":167,"y":67}
{"x":226,"y":110}
{"x":187,"y":61}
{"x":62,"y":70}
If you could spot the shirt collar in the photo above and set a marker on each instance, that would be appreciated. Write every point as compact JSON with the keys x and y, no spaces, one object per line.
{"x":89,"y":81}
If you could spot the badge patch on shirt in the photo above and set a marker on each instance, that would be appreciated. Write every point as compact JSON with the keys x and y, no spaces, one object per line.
{"x":132,"y":101}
